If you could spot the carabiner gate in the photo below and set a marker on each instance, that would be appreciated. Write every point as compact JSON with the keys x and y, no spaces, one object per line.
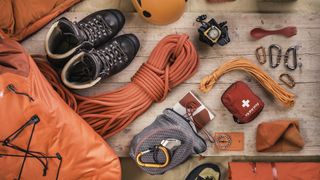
{"x":278,"y":48}
{"x":261,"y":55}
{"x":294,"y":58}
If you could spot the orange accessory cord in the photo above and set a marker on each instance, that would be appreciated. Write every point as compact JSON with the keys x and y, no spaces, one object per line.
{"x":172,"y":61}
{"x":264,"y":79}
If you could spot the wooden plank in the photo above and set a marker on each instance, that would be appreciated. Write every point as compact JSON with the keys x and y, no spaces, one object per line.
{"x":305,"y":109}
{"x":308,"y":73}
{"x":239,"y":25}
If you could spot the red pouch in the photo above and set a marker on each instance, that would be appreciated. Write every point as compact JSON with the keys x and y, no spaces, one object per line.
{"x":242,"y":102}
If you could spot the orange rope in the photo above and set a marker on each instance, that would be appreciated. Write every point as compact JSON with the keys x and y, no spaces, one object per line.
{"x":171,"y":62}
{"x":264,"y":79}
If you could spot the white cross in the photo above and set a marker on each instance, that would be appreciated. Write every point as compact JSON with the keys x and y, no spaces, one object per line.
{"x":245,"y":103}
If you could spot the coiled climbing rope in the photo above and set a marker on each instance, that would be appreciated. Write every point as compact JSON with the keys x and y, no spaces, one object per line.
{"x":264,"y":79}
{"x":171,"y":62}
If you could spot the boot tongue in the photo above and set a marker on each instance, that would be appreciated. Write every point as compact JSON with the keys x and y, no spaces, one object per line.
{"x":70,"y":29}
{"x":85,"y":70}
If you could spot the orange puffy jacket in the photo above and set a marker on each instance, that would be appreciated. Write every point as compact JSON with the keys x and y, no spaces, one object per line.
{"x":21,"y":18}
{"x":24,"y":93}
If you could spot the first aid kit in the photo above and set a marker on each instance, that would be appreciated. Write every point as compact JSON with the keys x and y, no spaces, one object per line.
{"x":242,"y":102}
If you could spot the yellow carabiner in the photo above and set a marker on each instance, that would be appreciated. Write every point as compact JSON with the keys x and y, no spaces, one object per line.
{"x":153,"y":165}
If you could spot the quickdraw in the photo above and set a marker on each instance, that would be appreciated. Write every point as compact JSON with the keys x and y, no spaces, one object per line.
{"x":278,"y":48}
{"x":287,"y":80}
{"x":292,"y":49}
{"x":261,"y":55}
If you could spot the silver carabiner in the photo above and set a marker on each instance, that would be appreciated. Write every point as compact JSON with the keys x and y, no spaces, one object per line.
{"x":278,"y":48}
{"x":294,"y":58}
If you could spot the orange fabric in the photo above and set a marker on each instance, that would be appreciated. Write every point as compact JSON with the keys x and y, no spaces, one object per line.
{"x":173,"y":60}
{"x":279,"y":136}
{"x":279,"y":171}
{"x":85,"y":154}
{"x":21,"y":18}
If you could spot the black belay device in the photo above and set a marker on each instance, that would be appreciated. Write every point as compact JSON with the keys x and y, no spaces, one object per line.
{"x":211,"y":32}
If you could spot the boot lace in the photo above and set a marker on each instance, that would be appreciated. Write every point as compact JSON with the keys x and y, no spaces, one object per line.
{"x":110,"y":56}
{"x":95,"y":29}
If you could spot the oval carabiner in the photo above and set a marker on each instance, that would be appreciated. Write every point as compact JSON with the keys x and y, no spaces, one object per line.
{"x":294,"y":58}
{"x":277,"y":47}
{"x":154,"y":165}
{"x":261,"y":55}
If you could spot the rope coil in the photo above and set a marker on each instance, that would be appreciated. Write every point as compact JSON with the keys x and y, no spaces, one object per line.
{"x":171,"y":62}
{"x":264,"y":79}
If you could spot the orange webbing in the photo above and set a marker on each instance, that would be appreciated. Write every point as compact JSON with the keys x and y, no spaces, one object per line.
{"x":171,"y":62}
{"x":264,"y":79}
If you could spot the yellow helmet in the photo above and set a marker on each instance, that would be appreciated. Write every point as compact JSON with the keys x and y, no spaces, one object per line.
{"x":160,"y":12}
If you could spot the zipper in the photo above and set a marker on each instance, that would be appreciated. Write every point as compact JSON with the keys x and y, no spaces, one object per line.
{"x":13,"y":89}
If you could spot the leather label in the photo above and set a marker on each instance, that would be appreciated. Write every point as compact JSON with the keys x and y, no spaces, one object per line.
{"x":229,"y":141}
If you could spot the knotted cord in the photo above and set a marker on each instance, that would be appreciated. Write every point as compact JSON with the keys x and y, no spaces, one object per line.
{"x":172,"y":61}
{"x":264,"y":79}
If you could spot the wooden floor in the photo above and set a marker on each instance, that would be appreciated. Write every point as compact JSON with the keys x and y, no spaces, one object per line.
{"x":240,"y":22}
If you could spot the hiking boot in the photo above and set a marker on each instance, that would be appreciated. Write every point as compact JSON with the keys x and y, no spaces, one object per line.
{"x":87,"y":68}
{"x":65,"y":38}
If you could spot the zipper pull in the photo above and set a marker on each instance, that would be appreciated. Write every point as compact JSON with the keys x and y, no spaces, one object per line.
{"x":13,"y":89}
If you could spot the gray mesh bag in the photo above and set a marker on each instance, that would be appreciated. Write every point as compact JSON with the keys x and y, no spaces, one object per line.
{"x":169,"y":125}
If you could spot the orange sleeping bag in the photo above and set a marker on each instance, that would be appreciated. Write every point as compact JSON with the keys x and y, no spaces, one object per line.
{"x":21,"y":18}
{"x":40,"y":136}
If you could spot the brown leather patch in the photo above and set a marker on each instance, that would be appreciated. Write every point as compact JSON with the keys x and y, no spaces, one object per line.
{"x":189,"y":98}
{"x":202,"y":118}
{"x":193,"y":109}
{"x":229,"y":141}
